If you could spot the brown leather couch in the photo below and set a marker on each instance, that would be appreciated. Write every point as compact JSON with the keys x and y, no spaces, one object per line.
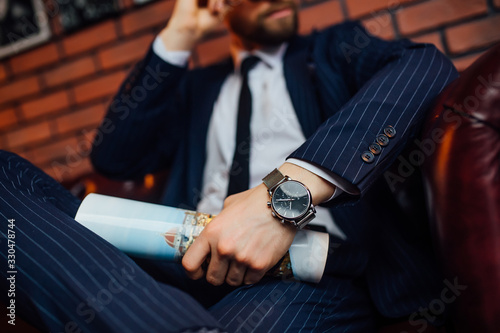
{"x":462,"y":179}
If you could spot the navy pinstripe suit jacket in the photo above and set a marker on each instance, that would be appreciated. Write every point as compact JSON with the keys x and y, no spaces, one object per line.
{"x":346,"y":87}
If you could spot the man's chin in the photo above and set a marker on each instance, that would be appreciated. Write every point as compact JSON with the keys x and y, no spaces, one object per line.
{"x":267,"y":30}
{"x":275,"y":34}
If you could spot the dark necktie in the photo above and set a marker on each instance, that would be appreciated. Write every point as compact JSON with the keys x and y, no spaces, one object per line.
{"x":239,"y":174}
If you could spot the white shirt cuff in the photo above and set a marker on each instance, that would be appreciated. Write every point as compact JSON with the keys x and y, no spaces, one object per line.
{"x":176,"y":58}
{"x":340,"y":183}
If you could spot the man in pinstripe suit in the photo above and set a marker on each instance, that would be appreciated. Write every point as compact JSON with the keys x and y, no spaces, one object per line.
{"x":332,"y":110}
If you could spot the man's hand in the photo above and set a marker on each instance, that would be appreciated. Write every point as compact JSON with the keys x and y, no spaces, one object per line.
{"x":244,"y":241}
{"x":190,"y":23}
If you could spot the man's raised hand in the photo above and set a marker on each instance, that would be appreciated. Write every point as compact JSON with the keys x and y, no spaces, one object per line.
{"x":190,"y":23}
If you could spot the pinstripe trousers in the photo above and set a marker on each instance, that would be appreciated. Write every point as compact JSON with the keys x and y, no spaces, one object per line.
{"x":68,"y":279}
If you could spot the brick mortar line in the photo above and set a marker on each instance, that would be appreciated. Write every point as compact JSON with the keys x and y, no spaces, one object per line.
{"x":48,"y":116}
{"x":12,"y":78}
{"x":76,"y":107}
{"x":135,"y":6}
{"x":72,"y":84}
{"x":81,"y":55}
{"x":97,"y":63}
{"x":52,"y":116}
{"x":41,"y":95}
{"x":44,"y":87}
{"x":32,"y":122}
{"x":444,"y":41}
{"x":14,"y":102}
{"x":345,"y":11}
{"x":19,"y":117}
{"x":213,"y":36}
{"x":55,"y":135}
{"x":119,"y":29}
{"x":35,"y":143}
{"x":60,"y":49}
{"x":458,"y":22}
{"x":8,"y":71}
{"x":471,"y":52}
{"x":395,"y":25}
{"x":119,"y":42}
{"x":7,"y":105}
{"x":471,"y":19}
{"x":476,"y":49}
{"x":155,"y":29}
{"x":312,"y":3}
{"x":41,"y":70}
{"x":74,"y":133}
{"x":71,"y":96}
{"x":387,"y":10}
{"x":412,"y":3}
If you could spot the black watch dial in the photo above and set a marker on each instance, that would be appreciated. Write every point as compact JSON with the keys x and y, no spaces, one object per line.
{"x":291,"y":200}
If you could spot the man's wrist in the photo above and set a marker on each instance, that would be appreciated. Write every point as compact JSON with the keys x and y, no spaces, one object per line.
{"x":178,"y":39}
{"x":176,"y":58}
{"x":321,"y":190}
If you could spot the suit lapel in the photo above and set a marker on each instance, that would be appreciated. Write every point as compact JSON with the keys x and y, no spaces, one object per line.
{"x":299,"y":75}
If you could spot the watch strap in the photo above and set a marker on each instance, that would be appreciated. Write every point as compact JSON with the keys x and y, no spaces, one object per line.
{"x":311,"y":214}
{"x":273,"y":178}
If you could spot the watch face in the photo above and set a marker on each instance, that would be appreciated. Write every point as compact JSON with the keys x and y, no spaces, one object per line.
{"x":291,"y":200}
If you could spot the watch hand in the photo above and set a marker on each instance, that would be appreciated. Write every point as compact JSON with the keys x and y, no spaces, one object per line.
{"x":282,"y":200}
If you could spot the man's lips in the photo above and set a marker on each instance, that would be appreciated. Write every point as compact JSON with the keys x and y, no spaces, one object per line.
{"x":279,"y":13}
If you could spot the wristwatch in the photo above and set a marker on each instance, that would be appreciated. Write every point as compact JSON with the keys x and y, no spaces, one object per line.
{"x":291,"y":201}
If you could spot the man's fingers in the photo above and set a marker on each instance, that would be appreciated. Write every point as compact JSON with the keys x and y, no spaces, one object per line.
{"x":217,"y":270}
{"x":253,"y":276}
{"x":195,"y":257}
{"x":236,"y":274}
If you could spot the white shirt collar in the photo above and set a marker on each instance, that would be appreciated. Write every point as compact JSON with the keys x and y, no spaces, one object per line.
{"x":271,"y":56}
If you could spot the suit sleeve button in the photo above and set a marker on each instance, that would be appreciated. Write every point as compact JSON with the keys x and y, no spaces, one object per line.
{"x":375,"y":148}
{"x":367,"y":156}
{"x":390,"y":131}
{"x":382,"y":140}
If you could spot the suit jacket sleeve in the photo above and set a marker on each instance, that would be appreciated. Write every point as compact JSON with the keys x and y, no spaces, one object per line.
{"x":392,"y":84}
{"x":144,"y":121}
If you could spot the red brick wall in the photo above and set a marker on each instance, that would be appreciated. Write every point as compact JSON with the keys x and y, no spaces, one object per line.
{"x":54,"y":96}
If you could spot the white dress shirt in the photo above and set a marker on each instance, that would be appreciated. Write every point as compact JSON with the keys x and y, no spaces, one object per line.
{"x":275,"y":128}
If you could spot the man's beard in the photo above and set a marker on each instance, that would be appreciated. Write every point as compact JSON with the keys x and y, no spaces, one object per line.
{"x":264,"y":34}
